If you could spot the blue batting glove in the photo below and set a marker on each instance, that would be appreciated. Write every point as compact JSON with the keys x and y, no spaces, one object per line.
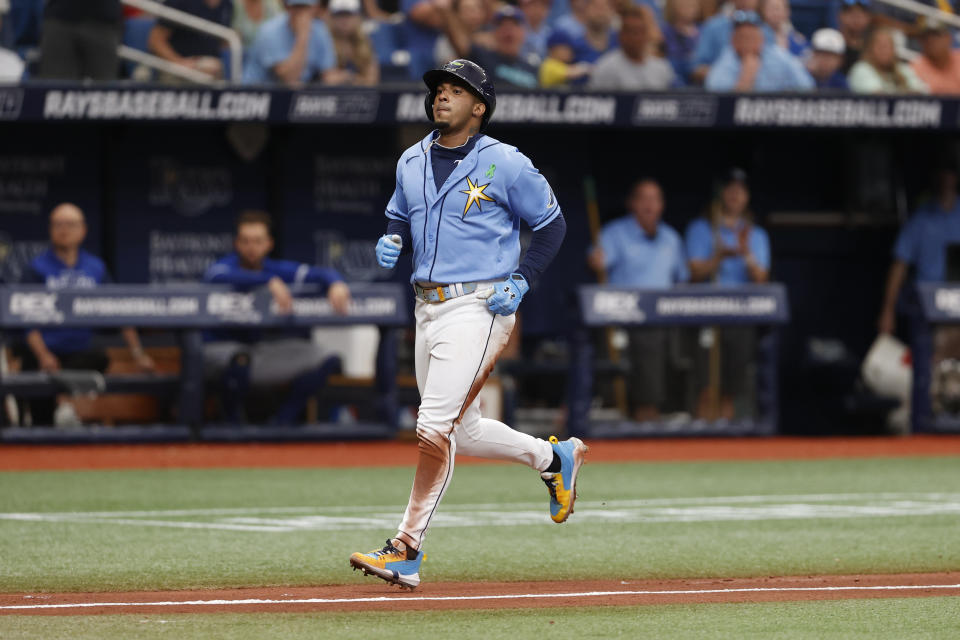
{"x":504,"y":298}
{"x":388,"y":250}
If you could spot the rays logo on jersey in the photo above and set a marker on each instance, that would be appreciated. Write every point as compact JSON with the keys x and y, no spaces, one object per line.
{"x":474,"y":195}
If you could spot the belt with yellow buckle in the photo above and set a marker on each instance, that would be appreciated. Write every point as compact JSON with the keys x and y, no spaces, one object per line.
{"x":442,"y":293}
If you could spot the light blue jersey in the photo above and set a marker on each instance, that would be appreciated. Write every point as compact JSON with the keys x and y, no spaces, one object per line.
{"x":701,"y":239}
{"x":468,"y":228}
{"x":924,"y":240}
{"x":274,"y":44}
{"x":634,"y":259}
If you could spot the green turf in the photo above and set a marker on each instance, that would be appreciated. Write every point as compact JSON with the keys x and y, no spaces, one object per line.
{"x":893,"y":619}
{"x":53,"y":556}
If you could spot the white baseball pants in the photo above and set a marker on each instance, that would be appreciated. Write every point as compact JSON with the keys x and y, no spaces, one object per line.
{"x":457,"y":344}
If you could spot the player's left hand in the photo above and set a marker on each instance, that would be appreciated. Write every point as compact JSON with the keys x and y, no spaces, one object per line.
{"x":504,"y":297}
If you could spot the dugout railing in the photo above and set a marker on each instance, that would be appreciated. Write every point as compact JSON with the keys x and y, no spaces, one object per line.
{"x":939,"y":307}
{"x":187,"y":311}
{"x":764,"y":307}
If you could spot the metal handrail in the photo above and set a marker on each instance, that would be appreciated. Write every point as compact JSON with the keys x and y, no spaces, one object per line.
{"x":198,"y":24}
{"x":160,"y":64}
{"x":924,"y":10}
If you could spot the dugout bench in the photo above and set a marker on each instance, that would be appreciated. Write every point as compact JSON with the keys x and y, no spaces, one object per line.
{"x":762,"y":306}
{"x":187,"y":310}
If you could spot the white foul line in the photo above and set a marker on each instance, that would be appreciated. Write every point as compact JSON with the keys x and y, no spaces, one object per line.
{"x":518,"y":596}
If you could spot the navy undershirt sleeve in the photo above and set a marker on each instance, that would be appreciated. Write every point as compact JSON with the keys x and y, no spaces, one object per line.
{"x":402,"y":229}
{"x":543,"y":248}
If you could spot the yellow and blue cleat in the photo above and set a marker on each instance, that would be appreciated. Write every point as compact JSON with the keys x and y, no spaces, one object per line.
{"x":397,"y":566}
{"x":562,"y":484}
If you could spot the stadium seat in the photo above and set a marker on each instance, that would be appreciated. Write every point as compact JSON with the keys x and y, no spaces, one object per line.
{"x":809,"y":15}
{"x":388,"y":44}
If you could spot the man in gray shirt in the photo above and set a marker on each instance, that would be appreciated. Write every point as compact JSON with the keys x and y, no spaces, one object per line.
{"x":631,"y":67}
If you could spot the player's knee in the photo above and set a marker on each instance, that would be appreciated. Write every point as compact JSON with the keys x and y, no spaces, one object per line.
{"x":427,"y":432}
{"x":433,"y":443}
{"x":435,"y":420}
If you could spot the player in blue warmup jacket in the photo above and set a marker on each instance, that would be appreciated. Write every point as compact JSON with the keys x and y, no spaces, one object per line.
{"x":458,"y":204}
{"x":239,"y":358}
{"x":65,"y":265}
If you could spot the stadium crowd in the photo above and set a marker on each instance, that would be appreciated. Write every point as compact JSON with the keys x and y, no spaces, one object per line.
{"x":743,"y":45}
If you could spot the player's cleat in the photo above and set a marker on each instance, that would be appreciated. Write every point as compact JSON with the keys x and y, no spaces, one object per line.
{"x":562,"y":485}
{"x":394,"y":565}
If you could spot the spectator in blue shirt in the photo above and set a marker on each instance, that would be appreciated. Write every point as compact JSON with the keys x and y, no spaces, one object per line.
{"x":715,"y":37}
{"x":66,"y":266}
{"x":504,"y":61}
{"x":239,"y":359}
{"x":826,"y":60}
{"x":538,"y":29}
{"x":590,"y":26}
{"x":292,"y":48}
{"x":599,"y":31}
{"x":751,"y":64}
{"x":923,"y":242}
{"x":570,"y":22}
{"x":640,"y":250}
{"x":681,"y":32}
{"x":188,"y":47}
{"x":728,"y":249}
{"x":423,"y":26}
{"x":776,"y":15}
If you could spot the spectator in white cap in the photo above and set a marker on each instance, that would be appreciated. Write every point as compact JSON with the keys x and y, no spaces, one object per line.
{"x":293,"y":48}
{"x":826,"y":60}
{"x":356,"y":62}
{"x":939,"y":64}
{"x":11,"y":66}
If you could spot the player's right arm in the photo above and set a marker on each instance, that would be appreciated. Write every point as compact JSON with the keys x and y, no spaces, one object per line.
{"x":905,"y":251}
{"x":398,"y":238}
{"x":424,"y":13}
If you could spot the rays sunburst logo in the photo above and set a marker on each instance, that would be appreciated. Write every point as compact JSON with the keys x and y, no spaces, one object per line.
{"x":475,"y":195}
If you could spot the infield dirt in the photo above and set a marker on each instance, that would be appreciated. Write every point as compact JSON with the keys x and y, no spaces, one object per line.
{"x":398,"y":453}
{"x":376,"y":596}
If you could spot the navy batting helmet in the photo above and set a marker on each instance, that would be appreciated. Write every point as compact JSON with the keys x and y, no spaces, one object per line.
{"x":468,"y":73}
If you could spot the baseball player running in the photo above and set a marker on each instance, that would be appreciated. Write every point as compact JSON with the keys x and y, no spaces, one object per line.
{"x":458,"y":203}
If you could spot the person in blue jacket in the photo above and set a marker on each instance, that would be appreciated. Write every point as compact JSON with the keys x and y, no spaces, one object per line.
{"x":66,"y":265}
{"x":240,"y":358}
